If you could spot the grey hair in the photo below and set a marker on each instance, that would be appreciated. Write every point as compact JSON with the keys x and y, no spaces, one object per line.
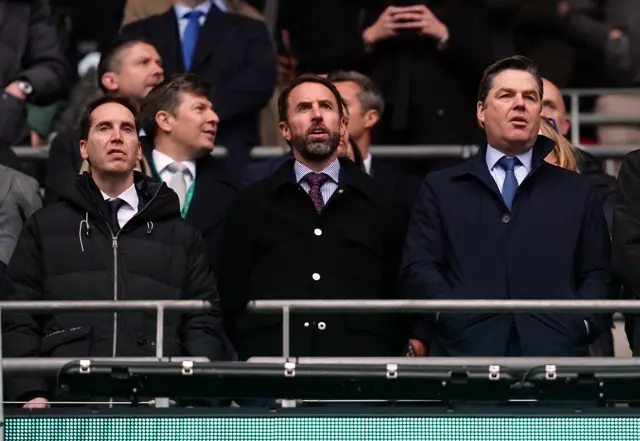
{"x":370,"y":96}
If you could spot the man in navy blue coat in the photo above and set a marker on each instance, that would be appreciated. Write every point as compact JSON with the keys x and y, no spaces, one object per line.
{"x":507,"y":225}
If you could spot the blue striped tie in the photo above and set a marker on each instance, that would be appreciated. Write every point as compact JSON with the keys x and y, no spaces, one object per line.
{"x":190,"y":37}
{"x":510,"y":182}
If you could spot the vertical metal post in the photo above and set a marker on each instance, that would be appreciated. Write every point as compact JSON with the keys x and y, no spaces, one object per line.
{"x":159,"y":331}
{"x":575,"y":119}
{"x":1,"y":386}
{"x":286,"y":325}
{"x":160,"y":402}
{"x":286,"y":329}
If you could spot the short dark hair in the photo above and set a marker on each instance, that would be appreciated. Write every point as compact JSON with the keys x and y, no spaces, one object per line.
{"x":283,"y":99}
{"x":517,"y":62}
{"x":112,"y":56}
{"x":166,"y":97}
{"x":370,"y":96}
{"x":85,"y":120}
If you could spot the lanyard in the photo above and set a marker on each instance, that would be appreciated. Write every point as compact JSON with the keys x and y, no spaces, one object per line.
{"x":188,"y":196}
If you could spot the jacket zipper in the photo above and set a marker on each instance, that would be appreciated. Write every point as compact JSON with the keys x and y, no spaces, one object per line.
{"x":115,"y":271}
{"x":115,"y":290}
{"x":114,"y":246}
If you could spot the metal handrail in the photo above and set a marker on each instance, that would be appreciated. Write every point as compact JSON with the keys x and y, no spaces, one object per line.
{"x":102,"y":306}
{"x":600,"y":91}
{"x":105,"y":305}
{"x":461,"y":305}
{"x":457,"y":305}
{"x":381,"y":151}
{"x":512,"y":362}
{"x":29,"y":366}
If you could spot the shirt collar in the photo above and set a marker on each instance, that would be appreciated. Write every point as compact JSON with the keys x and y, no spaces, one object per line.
{"x":162,"y":161}
{"x":181,"y":10}
{"x":493,"y":156}
{"x":332,"y":170}
{"x":367,"y":164}
{"x":130,"y":196}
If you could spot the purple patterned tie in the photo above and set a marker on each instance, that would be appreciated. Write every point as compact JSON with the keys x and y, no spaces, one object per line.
{"x":316,"y":181}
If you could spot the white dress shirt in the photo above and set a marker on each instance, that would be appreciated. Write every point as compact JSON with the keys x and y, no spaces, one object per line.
{"x":205,"y":7}
{"x":162,"y":163}
{"x":367,"y":164}
{"x":129,"y":208}
{"x":521,"y":170}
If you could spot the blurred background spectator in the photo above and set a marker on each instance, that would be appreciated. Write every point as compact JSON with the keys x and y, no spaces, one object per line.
{"x":32,"y":69}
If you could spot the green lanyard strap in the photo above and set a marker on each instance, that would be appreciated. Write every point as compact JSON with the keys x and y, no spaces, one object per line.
{"x":188,"y":196}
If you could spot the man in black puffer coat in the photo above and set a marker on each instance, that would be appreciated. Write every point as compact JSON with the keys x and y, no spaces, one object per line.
{"x":114,"y":236}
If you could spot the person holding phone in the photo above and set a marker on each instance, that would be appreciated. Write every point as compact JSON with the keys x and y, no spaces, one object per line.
{"x":427,"y":57}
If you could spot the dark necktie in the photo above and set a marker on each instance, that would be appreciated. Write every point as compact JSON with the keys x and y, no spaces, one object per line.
{"x":510,"y":182}
{"x":316,"y":181}
{"x":114,"y":205}
{"x":190,"y":37}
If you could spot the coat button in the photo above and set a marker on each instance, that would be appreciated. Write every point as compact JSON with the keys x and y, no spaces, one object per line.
{"x":506,"y":218}
{"x":317,"y":232}
{"x":322,"y":326}
{"x":341,"y":191}
{"x":306,"y":324}
{"x":315,"y":276}
{"x":440,"y":112}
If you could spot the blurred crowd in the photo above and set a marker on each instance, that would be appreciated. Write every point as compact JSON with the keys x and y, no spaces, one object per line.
{"x":426,"y":58}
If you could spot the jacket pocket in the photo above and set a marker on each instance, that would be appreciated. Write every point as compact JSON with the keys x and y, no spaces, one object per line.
{"x":73,"y":342}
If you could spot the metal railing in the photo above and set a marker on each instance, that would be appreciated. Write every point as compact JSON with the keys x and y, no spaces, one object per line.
{"x":578,"y":119}
{"x":407,"y":306}
{"x":96,"y":306}
{"x":381,"y":151}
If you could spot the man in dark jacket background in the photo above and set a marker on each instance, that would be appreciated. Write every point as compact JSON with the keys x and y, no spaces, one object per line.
{"x":128,"y":68}
{"x":625,"y":236}
{"x":181,"y":126}
{"x":232,"y":53}
{"x":32,"y":66}
{"x":115,"y":236}
{"x":507,"y":225}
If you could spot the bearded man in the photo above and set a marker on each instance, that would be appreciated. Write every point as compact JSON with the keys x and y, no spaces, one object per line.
{"x":318,"y":228}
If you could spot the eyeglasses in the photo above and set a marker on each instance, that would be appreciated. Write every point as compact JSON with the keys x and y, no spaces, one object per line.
{"x":553,"y":123}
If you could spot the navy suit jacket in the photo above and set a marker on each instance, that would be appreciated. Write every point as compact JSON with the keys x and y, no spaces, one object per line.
{"x":463,"y":243}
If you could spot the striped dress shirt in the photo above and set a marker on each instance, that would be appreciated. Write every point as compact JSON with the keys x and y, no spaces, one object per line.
{"x":332,"y":170}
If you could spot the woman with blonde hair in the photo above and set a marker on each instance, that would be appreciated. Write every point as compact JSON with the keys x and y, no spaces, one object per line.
{"x":563,"y":154}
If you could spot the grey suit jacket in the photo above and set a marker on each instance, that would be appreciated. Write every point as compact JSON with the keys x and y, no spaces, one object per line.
{"x":19,"y":199}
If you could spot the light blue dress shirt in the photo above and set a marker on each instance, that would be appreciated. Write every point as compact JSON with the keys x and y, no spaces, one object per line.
{"x":205,"y":7}
{"x":521,"y":170}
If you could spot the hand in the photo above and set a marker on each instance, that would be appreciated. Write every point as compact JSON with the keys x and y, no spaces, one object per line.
{"x":383,"y":28}
{"x":563,"y":8}
{"x":36,"y":141}
{"x":421,"y":19}
{"x":287,"y":69}
{"x":420,"y":349}
{"x":14,"y":90}
{"x":615,"y":34}
{"x":37,"y":403}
